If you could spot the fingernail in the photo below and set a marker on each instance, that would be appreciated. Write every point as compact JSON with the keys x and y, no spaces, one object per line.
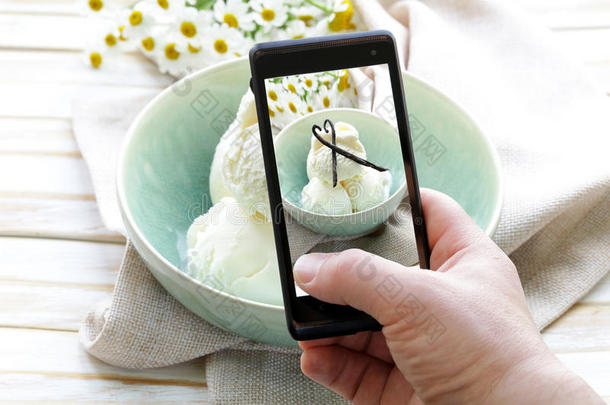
{"x":307,"y":266}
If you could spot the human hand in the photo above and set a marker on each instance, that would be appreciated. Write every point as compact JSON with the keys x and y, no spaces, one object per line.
{"x":459,"y":334}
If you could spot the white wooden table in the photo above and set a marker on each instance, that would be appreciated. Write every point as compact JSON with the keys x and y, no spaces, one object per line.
{"x":57,"y":259}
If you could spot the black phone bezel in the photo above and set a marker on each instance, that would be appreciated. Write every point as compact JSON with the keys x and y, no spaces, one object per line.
{"x":308,"y":317}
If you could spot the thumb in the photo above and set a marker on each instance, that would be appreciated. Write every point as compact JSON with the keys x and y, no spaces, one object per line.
{"x":360,"y":279}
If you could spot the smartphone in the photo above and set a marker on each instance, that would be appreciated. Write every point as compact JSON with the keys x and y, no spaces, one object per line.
{"x":338,"y":160}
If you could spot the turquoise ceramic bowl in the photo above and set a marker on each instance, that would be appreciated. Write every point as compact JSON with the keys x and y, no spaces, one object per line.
{"x":162,"y":181}
{"x":382,"y":145}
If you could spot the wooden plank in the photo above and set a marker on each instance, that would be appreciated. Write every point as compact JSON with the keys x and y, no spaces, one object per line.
{"x":47,"y":7}
{"x":121,"y":69}
{"x":60,"y":262}
{"x":37,"y":136}
{"x":48,"y":306}
{"x":43,"y":174}
{"x":54,"y":100}
{"x":583,"y":327}
{"x":50,"y":7}
{"x":593,"y":367}
{"x":105,"y":389}
{"x":53,"y":218}
{"x":59,"y":353}
{"x":42,"y":32}
{"x":600,"y":72}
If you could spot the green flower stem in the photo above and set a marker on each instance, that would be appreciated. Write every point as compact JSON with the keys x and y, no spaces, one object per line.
{"x":203,"y":4}
{"x":320,"y":6}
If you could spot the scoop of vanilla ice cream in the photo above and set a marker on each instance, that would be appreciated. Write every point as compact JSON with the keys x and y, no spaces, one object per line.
{"x":243,"y":170}
{"x":319,"y":161}
{"x":236,"y":251}
{"x":237,"y":168}
{"x":321,"y":197}
{"x":218,"y":189}
{"x":368,"y":189}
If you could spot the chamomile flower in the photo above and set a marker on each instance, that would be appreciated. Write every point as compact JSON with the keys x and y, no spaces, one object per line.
{"x":222,"y":42}
{"x":294,"y":104}
{"x":324,"y":97}
{"x":199,"y":33}
{"x":95,"y":56}
{"x":293,"y":84}
{"x":139,"y":21}
{"x":190,"y":23}
{"x":173,"y":56}
{"x":104,"y":41}
{"x":341,"y":19}
{"x":295,"y":29}
{"x":288,"y":108}
{"x":234,"y":13}
{"x":274,"y":90}
{"x":170,"y":6}
{"x":104,"y":8}
{"x":310,"y":82}
{"x":308,"y":14}
{"x":270,"y":13}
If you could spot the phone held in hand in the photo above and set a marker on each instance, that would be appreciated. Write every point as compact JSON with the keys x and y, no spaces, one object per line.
{"x":339,"y":163}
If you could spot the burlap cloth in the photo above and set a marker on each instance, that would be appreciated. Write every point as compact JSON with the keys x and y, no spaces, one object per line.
{"x":545,"y":117}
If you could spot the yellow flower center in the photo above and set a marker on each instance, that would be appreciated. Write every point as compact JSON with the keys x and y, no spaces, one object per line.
{"x":135,"y":18}
{"x":192,"y":49}
{"x":298,"y":37}
{"x":231,"y":20}
{"x":343,"y":19}
{"x":309,"y":108}
{"x":306,"y":19}
{"x":96,"y":5}
{"x":163,"y":4}
{"x":343,"y":82}
{"x":188,"y":29}
{"x":170,"y":52}
{"x":110,"y":40}
{"x":96,"y":59}
{"x":272,"y":95}
{"x":292,"y":107}
{"x":122,"y":37}
{"x":355,"y":91}
{"x":148,"y":43}
{"x":268,"y":14}
{"x":308,"y":82}
{"x":326,"y":102}
{"x":271,"y":113}
{"x":221,"y":46}
{"x":292,"y":88}
{"x":280,"y":109}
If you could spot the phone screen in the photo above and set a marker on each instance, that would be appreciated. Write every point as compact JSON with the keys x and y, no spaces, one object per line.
{"x":340,"y":165}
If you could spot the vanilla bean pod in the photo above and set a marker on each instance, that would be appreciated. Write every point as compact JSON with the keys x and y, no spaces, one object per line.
{"x":341,"y":151}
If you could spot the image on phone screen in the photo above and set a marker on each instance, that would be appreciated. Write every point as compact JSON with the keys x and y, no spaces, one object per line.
{"x":340,"y":164}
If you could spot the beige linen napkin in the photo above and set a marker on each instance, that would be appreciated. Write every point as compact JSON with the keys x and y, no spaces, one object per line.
{"x":542,"y":113}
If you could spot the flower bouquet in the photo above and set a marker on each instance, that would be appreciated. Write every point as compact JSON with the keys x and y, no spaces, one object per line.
{"x":181,"y":36}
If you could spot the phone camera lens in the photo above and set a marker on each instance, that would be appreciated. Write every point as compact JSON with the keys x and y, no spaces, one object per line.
{"x":373,"y":52}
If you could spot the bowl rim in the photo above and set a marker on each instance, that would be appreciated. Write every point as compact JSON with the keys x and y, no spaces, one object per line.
{"x":132,"y":228}
{"x":400,"y":189}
